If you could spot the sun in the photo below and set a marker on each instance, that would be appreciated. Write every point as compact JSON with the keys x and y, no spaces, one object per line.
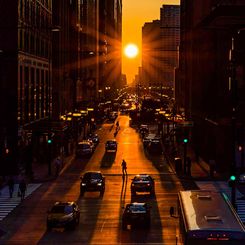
{"x":131,"y":50}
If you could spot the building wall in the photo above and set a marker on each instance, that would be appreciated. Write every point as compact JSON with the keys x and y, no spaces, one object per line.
{"x":25,"y":69}
{"x":170,"y":36}
{"x":151,"y":48}
{"x":203,"y":86}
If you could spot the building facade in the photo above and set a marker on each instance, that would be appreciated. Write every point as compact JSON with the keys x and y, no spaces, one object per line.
{"x":160,"y":42}
{"x":210,"y":79}
{"x":25,"y":59}
{"x":170,"y":36}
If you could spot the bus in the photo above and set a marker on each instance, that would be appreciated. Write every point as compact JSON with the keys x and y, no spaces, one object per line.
{"x":208,"y":218}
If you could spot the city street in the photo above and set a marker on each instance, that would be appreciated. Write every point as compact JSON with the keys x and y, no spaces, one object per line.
{"x":100,"y":218}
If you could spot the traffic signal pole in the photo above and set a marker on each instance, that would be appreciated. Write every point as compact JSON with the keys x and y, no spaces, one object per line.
{"x":233,"y":90}
{"x":185,"y":141}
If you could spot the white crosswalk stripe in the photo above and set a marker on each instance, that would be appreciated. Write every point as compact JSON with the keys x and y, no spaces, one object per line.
{"x":224,"y":187}
{"x":8,"y":204}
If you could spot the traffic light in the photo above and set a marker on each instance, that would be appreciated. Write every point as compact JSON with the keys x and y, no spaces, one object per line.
{"x":50,"y":138}
{"x":232,"y":181}
{"x":185,"y":140}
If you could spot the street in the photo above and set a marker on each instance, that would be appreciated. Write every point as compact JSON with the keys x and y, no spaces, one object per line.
{"x":100,"y":217}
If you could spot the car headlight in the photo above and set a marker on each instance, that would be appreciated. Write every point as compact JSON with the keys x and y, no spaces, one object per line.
{"x":83,"y":184}
{"x":132,"y":185}
{"x":99,"y":184}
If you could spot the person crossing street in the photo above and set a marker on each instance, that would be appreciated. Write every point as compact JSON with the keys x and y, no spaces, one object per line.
{"x":124,"y":167}
{"x":22,"y":189}
{"x":11,"y":186}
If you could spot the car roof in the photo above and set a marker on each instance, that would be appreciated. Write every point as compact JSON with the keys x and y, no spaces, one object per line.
{"x":83,"y":142}
{"x":92,"y":172}
{"x":137,"y":204}
{"x":59,"y":203}
{"x":142,"y":175}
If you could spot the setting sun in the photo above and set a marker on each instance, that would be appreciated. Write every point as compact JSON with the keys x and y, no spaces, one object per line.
{"x":131,"y":50}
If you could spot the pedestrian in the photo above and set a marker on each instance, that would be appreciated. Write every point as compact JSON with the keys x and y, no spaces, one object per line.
{"x":57,"y":165}
{"x":11,"y":186}
{"x":124,"y":167}
{"x":117,"y":124}
{"x":22,"y":189}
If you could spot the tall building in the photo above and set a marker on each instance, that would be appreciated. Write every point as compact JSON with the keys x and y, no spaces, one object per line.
{"x":210,"y":85}
{"x":170,"y":36}
{"x":110,"y":45}
{"x":160,"y":42}
{"x":65,"y":54}
{"x":25,"y":71}
{"x":151,"y":47}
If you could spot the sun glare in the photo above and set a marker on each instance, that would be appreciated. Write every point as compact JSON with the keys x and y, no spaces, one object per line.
{"x":131,"y":50}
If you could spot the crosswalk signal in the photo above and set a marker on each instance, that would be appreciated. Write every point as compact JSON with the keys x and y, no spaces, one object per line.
{"x":232,"y":181}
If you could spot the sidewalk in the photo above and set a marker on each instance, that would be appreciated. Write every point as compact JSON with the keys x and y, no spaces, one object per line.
{"x":200,"y":170}
{"x":41,"y":171}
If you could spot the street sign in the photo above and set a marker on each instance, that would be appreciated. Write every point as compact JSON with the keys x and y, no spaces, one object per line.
{"x":186,"y":124}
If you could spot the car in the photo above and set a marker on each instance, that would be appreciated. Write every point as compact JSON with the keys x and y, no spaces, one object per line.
{"x":155,"y":146}
{"x":112,"y":116}
{"x":147,"y":139}
{"x":143,"y":183}
{"x":92,"y":181}
{"x":143,"y":129}
{"x":136,"y":214}
{"x":241,"y":179}
{"x":111,"y":145}
{"x":84,"y":148}
{"x":94,"y":138}
{"x":63,"y":214}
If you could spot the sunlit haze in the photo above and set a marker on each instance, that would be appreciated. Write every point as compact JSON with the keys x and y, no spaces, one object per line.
{"x":135,"y":14}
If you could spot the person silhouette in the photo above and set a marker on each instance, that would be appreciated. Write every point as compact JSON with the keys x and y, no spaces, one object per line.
{"x":22,"y":188}
{"x":124,"y":167}
{"x":11,"y":186}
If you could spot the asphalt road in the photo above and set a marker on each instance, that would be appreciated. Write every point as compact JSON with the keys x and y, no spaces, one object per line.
{"x":100,"y":218}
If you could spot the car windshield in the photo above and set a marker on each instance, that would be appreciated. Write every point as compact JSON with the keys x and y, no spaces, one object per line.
{"x":137,"y":208}
{"x":141,"y":178}
{"x":92,"y":176}
{"x":111,"y":142}
{"x":83,"y":146}
{"x":64,"y":209}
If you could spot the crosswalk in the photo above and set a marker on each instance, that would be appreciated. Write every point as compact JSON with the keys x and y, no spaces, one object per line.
{"x":223,"y":187}
{"x":8,"y":204}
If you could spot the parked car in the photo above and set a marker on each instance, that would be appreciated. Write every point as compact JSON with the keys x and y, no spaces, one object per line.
{"x":143,"y":183}
{"x":155,"y":146}
{"x":111,"y":145}
{"x":84,"y":148}
{"x":148,"y":138}
{"x":94,"y":138}
{"x":136,"y":214}
{"x":63,"y":214}
{"x":143,"y":129}
{"x":241,"y":179}
{"x":112,"y":116}
{"x":92,"y":181}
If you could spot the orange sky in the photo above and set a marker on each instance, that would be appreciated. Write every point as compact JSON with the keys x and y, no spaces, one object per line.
{"x":135,"y":14}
